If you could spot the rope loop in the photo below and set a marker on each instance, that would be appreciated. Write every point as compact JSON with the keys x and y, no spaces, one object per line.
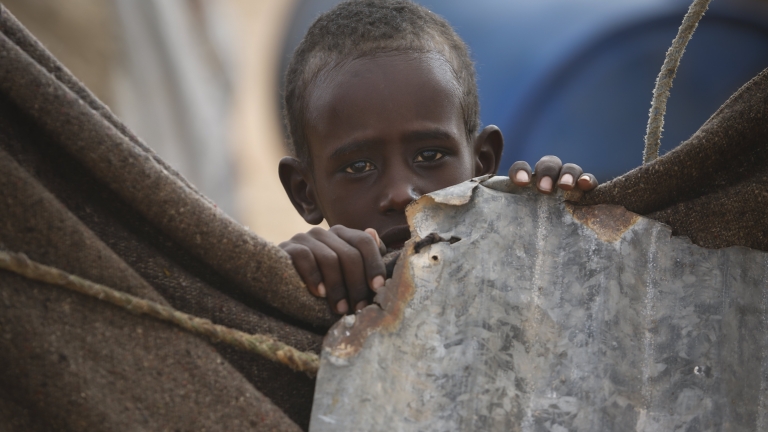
{"x":263,"y":345}
{"x":667,"y":74}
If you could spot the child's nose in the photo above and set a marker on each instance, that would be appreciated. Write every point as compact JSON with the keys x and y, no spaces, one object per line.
{"x":397,"y":197}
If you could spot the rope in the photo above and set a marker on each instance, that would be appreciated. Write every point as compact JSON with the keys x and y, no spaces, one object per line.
{"x":667,"y":74}
{"x":265,"y":346}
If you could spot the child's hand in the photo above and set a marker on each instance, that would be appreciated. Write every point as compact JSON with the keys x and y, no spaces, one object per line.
{"x":550,"y":171}
{"x":341,"y":264}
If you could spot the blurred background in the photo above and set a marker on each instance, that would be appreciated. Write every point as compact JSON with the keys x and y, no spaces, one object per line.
{"x":199,"y":80}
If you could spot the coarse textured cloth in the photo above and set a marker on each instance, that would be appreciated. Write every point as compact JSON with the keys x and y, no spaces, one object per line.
{"x":712,"y":188}
{"x":80,"y":192}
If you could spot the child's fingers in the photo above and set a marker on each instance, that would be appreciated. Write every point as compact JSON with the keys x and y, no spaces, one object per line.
{"x":520,"y":173}
{"x":363,"y":241}
{"x":547,"y":172}
{"x":330,"y":268}
{"x":352,"y":265}
{"x":375,"y":236}
{"x":587,"y":182}
{"x":569,"y":174}
{"x":306,"y":266}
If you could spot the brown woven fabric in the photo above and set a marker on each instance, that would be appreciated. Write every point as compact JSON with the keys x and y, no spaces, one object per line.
{"x":85,"y":129}
{"x":79,"y":192}
{"x":712,"y":188}
{"x":74,"y":364}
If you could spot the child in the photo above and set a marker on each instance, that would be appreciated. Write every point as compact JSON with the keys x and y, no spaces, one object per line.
{"x":381,"y":107}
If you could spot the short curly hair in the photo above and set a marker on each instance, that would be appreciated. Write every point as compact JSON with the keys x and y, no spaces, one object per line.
{"x":360,"y":28}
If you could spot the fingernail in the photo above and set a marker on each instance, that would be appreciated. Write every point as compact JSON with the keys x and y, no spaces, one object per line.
{"x":321,"y":289}
{"x":361,"y":305}
{"x":566,"y":179}
{"x":545,"y":184}
{"x":584,"y":177}
{"x":377,"y":283}
{"x":522,"y":177}
{"x":372,"y":232}
{"x":342,"y":307}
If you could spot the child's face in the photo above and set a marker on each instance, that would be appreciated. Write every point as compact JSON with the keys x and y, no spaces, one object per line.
{"x":383,"y":131}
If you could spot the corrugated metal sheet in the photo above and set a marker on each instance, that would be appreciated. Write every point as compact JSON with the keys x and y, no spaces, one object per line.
{"x":514,"y":311}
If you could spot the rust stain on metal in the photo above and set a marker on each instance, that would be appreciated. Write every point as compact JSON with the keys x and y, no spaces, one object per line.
{"x":345,"y":340}
{"x":609,"y":222}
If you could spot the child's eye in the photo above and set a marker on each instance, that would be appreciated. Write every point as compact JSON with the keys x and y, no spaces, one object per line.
{"x":359,"y":167}
{"x":429,"y":156}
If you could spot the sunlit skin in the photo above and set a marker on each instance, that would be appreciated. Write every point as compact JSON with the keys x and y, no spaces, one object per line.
{"x":382,"y":131}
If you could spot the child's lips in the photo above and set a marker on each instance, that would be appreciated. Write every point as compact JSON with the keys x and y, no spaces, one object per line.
{"x":395,"y":237}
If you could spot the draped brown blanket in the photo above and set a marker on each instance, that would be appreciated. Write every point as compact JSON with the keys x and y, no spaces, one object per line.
{"x":79,"y":192}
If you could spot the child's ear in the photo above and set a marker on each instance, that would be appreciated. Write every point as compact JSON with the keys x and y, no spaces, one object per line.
{"x":300,"y":189}
{"x":487,"y":147}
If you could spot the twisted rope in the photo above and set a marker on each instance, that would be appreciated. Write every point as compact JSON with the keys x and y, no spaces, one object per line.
{"x":265,"y":346}
{"x":667,"y":74}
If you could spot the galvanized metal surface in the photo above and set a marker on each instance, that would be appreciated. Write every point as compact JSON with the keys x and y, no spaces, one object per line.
{"x":528,"y":314}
